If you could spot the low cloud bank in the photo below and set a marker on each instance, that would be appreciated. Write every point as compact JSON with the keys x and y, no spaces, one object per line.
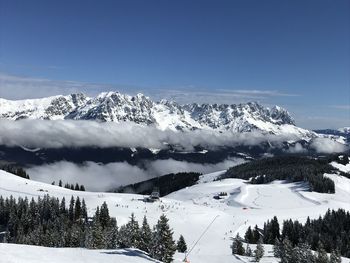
{"x":99,"y":177}
{"x":32,"y":134}
{"x":326,"y":145}
{"x":69,"y":133}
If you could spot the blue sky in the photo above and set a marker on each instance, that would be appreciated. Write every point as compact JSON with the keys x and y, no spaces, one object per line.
{"x":293,"y":53}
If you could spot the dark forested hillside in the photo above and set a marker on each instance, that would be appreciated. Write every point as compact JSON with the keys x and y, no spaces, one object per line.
{"x":166,"y":184}
{"x":291,"y":168}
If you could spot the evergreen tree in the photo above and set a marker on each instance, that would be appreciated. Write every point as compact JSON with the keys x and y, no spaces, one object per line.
{"x":237,"y":246}
{"x":181,"y":245}
{"x":60,"y":183}
{"x":287,"y":251}
{"x":84,"y":214}
{"x":104,"y":215}
{"x":322,"y":256}
{"x":335,"y":257}
{"x":302,"y":254}
{"x":71,"y":209}
{"x":248,"y":251}
{"x":77,"y":209}
{"x":249,"y":237}
{"x":145,"y":236}
{"x":111,"y":234}
{"x":163,"y":245}
{"x":259,"y":251}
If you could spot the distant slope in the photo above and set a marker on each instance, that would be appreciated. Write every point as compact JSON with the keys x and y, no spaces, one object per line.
{"x":290,"y":168}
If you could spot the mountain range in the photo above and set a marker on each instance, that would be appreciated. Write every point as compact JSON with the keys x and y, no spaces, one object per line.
{"x":117,"y":107}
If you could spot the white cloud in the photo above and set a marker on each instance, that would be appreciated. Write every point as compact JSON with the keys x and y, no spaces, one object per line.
{"x":99,"y":177}
{"x":325,"y":145}
{"x":72,"y":133}
{"x":297,"y":148}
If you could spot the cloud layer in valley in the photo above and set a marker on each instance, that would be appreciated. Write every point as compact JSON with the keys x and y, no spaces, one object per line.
{"x":99,"y":177}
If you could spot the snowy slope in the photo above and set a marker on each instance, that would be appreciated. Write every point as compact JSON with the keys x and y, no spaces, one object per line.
{"x":190,"y":210}
{"x":117,"y":107}
{"x":11,"y":253}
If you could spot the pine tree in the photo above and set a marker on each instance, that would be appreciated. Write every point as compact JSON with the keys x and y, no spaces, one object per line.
{"x":133,"y":231}
{"x":322,"y":256}
{"x":84,"y":214}
{"x":335,"y":257}
{"x":145,"y":236}
{"x":104,"y":215}
{"x":249,"y":238}
{"x":71,"y":209}
{"x":278,"y":249}
{"x":60,"y":183}
{"x":248,"y":251}
{"x":96,"y":238}
{"x":111,"y":234}
{"x":302,"y":254}
{"x":286,"y":251}
{"x":181,"y":245}
{"x":237,"y":246}
{"x":163,"y":244}
{"x":77,"y":209}
{"x":259,"y":251}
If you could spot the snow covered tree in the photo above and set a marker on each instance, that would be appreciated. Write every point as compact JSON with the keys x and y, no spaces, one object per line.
{"x":111,"y":234}
{"x":129,"y":235}
{"x":248,"y":251}
{"x":259,"y":251}
{"x":302,"y":254}
{"x":145,"y":236}
{"x":104,"y":217}
{"x":96,"y":238}
{"x":322,"y":256}
{"x":181,"y":245}
{"x":237,"y":246}
{"x":335,"y":257}
{"x":286,"y":251}
{"x":163,"y":245}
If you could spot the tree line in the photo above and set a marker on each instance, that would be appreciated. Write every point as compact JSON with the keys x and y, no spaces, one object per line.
{"x":19,"y":171}
{"x":51,"y":222}
{"x":290,"y":168}
{"x":75,"y":187}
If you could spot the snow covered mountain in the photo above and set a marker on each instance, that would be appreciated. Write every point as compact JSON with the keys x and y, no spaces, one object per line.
{"x":117,"y":107}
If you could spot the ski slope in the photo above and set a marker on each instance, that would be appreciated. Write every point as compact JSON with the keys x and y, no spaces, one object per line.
{"x":11,"y":253}
{"x":190,"y":210}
